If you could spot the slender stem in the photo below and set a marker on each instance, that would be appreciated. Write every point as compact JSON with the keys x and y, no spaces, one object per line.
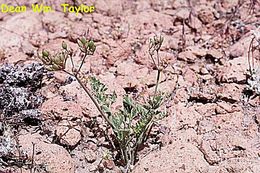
{"x":148,"y":130}
{"x":151,"y":55}
{"x":183,"y":35}
{"x":122,"y":150}
{"x":157,"y":81}
{"x":158,"y":58}
{"x":88,"y":92}
{"x":250,"y":50}
{"x":67,"y":72}
{"x":110,"y":140}
{"x":81,"y":64}
{"x":72,"y":62}
{"x":157,"y":68}
{"x":94,"y":101}
{"x":130,"y":161}
{"x":33,"y":152}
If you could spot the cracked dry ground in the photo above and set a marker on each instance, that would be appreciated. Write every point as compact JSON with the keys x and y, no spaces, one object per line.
{"x":210,"y":128}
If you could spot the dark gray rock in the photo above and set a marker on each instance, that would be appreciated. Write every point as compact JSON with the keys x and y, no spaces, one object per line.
{"x":18,"y":88}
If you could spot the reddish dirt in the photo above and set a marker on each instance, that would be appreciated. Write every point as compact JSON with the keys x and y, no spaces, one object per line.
{"x":210,"y":127}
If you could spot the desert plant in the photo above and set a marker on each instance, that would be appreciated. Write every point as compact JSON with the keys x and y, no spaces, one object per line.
{"x":132,"y":123}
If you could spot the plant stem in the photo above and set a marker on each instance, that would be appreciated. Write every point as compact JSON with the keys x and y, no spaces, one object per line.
{"x":68,"y":72}
{"x":83,"y":60}
{"x":250,"y":50}
{"x":157,"y":81}
{"x":151,"y":55}
{"x":72,"y":62}
{"x":94,"y":101}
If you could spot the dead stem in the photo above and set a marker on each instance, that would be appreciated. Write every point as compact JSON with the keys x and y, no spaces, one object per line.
{"x":250,"y":50}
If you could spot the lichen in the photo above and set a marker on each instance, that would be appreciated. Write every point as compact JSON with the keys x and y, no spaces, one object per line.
{"x":18,"y":88}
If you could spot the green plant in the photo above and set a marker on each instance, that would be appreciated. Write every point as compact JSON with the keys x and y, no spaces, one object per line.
{"x":130,"y":124}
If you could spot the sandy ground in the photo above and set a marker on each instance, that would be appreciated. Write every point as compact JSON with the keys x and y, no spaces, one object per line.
{"x":211,"y":127}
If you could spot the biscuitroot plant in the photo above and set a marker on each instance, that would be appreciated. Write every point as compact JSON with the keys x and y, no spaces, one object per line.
{"x":130,"y":124}
{"x":253,"y":77}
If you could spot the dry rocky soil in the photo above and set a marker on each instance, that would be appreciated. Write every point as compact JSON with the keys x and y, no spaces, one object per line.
{"x":48,"y":124}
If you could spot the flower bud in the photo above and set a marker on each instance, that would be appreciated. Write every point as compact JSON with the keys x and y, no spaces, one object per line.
{"x":64,"y":45}
{"x":83,"y":40}
{"x":55,"y":67}
{"x":91,"y":46}
{"x":49,"y":68}
{"x":56,"y":60}
{"x":45,"y":53}
{"x":80,"y":43}
{"x":161,"y":39}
